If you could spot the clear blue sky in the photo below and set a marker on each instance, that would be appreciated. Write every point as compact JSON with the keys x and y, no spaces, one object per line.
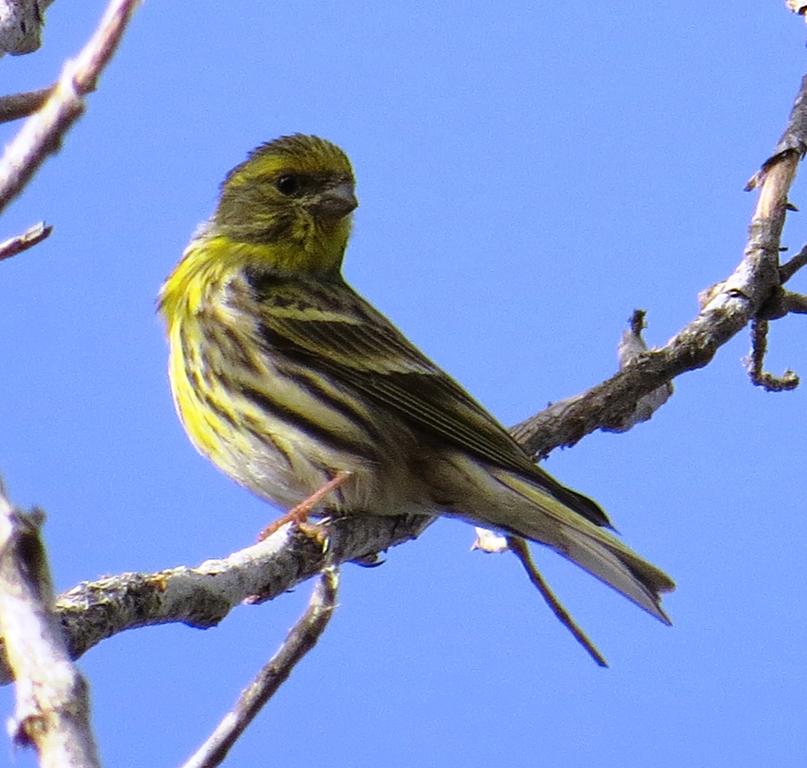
{"x":528,"y":175}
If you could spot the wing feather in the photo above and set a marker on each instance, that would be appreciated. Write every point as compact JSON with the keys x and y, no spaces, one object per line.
{"x":357,"y":346}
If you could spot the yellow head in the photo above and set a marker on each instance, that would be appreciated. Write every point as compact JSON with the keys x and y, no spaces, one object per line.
{"x":294,"y":194}
{"x":284,"y":210}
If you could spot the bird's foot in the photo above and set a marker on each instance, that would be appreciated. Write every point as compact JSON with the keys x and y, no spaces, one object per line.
{"x":299,"y":514}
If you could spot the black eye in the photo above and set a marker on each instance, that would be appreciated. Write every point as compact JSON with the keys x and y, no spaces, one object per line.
{"x":288,"y":184}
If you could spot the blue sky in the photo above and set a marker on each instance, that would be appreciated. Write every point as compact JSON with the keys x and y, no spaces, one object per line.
{"x":528,"y":175}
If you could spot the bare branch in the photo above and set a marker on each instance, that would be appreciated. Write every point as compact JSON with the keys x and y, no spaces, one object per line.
{"x":789,"y":268}
{"x":28,"y":239}
{"x":17,"y":105}
{"x":519,"y":548}
{"x":52,"y":711}
{"x":795,"y":303}
{"x":630,"y":347}
{"x":300,"y":640}
{"x":42,"y":133}
{"x":203,"y":596}
{"x":755,"y":362}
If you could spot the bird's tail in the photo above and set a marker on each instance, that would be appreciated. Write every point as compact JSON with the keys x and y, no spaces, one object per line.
{"x":495,"y":497}
{"x":592,"y":548}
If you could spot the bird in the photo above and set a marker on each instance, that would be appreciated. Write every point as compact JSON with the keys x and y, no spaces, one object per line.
{"x":297,"y":387}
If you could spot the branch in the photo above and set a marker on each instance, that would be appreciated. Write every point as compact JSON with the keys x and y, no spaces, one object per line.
{"x":780,"y":303}
{"x":42,"y":133}
{"x":754,"y":363}
{"x":52,"y":707}
{"x":18,"y":105}
{"x":28,"y":239}
{"x":519,"y":548}
{"x":300,"y":640}
{"x":631,"y":345}
{"x":201,"y":597}
{"x":795,"y":303}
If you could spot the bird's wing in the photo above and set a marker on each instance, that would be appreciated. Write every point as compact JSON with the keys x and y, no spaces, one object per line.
{"x":336,"y":330}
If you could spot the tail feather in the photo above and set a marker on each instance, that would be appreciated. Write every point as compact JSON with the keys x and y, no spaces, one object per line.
{"x":589,"y":546}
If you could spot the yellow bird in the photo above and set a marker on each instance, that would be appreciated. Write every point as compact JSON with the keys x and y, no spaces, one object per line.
{"x":290,"y":381}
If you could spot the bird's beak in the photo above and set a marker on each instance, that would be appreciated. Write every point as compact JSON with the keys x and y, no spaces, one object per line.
{"x":336,"y":202}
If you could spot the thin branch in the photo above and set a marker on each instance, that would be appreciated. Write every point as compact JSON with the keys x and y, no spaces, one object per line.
{"x":795,"y":303}
{"x":519,"y":548}
{"x":28,"y":239}
{"x":300,"y":640}
{"x":789,"y":268}
{"x":52,"y":712}
{"x":756,"y":360}
{"x":17,"y":105}
{"x":631,"y":345}
{"x":42,"y":133}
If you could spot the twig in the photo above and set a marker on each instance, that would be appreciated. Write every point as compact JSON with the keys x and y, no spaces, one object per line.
{"x":301,"y":639}
{"x":519,"y":548}
{"x":776,"y":176}
{"x":755,"y":362}
{"x":632,"y":345}
{"x":795,"y":303}
{"x":28,"y":239}
{"x":52,"y":712}
{"x":17,"y":105}
{"x":789,"y":268}
{"x":42,"y":133}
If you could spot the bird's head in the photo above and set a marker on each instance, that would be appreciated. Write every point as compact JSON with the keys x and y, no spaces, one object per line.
{"x":295,"y":195}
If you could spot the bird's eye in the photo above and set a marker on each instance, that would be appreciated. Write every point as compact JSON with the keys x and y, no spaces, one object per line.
{"x":288,"y":184}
